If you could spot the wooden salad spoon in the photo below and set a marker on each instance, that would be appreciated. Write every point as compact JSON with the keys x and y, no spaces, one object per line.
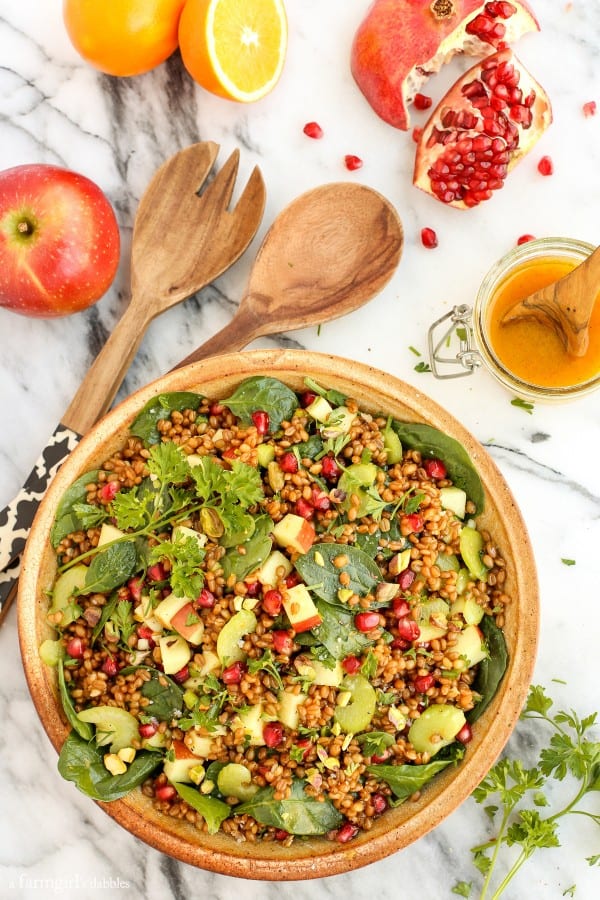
{"x":566,"y":305}
{"x":328,"y":253}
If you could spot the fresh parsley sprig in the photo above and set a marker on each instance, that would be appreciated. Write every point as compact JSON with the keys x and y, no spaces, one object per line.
{"x":570,"y":753}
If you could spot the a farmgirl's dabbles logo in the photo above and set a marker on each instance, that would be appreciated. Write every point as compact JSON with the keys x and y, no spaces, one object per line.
{"x":69,"y":885}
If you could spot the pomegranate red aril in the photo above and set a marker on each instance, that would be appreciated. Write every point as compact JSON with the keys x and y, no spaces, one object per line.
{"x":405,"y":579}
{"x":465,"y":735}
{"x":272,"y":602}
{"x":417,"y":133}
{"x":320,"y":500}
{"x":486,"y":123}
{"x":205,"y":599}
{"x":283,"y":642}
{"x":182,"y":675}
{"x":156,"y":572}
{"x":109,"y":491}
{"x":400,"y":606}
{"x":313,"y":130}
{"x":306,"y":398}
{"x":216,"y":409}
{"x":146,"y":634}
{"x":408,"y":630}
{"x":165,"y":792}
{"x":281,"y":835}
{"x":429,"y":238}
{"x":76,"y":647}
{"x":412,"y":523}
{"x":234,"y":673}
{"x":351,"y":665}
{"x":381,"y":757}
{"x":346,"y":832}
{"x":435,"y":468}
{"x":273,"y":734}
{"x":546,"y":166}
{"x":305,"y":509}
{"x":261,"y":421}
{"x":292,"y":580}
{"x":110,"y":666}
{"x":352,"y":162}
{"x":253,"y":588}
{"x":422,"y":101}
{"x":366,"y":621}
{"x":525,"y":238}
{"x":135,"y":586}
{"x":589,"y":108}
{"x":422,"y":683}
{"x":330,"y":468}
{"x":148,"y":729}
{"x":380,"y":804}
{"x":288,"y":463}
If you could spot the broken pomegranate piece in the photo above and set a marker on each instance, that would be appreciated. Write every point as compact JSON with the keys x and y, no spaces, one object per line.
{"x":484,"y":125}
{"x":399,"y":45}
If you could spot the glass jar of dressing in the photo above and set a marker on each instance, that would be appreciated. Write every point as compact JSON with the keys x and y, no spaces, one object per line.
{"x":526,"y":356}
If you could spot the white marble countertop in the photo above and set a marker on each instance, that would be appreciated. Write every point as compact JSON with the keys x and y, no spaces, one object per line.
{"x":56,"y":109}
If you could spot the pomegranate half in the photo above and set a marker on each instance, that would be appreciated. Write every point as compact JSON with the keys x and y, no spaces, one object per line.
{"x":400,"y":43}
{"x":480,"y":130}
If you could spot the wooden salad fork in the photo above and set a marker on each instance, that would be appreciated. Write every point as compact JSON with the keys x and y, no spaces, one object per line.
{"x":184,"y":237}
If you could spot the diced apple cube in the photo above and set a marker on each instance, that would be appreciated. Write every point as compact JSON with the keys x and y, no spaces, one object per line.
{"x":175,"y":652}
{"x":251,"y":720}
{"x":179,"y":614}
{"x":179,"y":762}
{"x":109,"y":533}
{"x":182,"y":531}
{"x":274,"y":569}
{"x":295,"y":533}
{"x":287,"y":708}
{"x":300,"y":608}
{"x":470,"y":645}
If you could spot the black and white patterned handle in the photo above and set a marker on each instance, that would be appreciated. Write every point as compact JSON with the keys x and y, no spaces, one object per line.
{"x":17,"y":517}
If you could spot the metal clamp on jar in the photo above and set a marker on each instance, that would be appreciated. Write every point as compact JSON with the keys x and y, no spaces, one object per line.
{"x":527,"y":357}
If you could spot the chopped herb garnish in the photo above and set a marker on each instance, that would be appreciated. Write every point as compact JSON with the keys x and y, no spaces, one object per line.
{"x":522,"y":404}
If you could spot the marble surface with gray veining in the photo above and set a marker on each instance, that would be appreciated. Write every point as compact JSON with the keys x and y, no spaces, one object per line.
{"x":56,"y":109}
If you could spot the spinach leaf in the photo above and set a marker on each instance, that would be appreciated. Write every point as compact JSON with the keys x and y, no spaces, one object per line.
{"x":67,"y":520}
{"x":213,"y":811}
{"x":433,"y":443}
{"x":405,"y":780}
{"x":166,"y":697}
{"x":337,"y":632}
{"x":491,"y":669}
{"x":83,"y":729}
{"x":256,"y":550}
{"x":82,"y":763}
{"x":111,"y":568}
{"x":369,"y":543}
{"x":299,"y":814}
{"x":325,"y":579}
{"x":311,"y":448}
{"x":264,"y":393}
{"x":161,"y":407}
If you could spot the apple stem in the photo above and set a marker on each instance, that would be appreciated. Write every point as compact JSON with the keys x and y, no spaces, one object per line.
{"x":25,"y":227}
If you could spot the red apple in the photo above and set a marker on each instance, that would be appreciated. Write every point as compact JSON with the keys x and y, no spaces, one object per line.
{"x":59,"y":241}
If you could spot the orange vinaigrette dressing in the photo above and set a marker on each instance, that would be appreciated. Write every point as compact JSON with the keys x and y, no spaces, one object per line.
{"x":532,"y":351}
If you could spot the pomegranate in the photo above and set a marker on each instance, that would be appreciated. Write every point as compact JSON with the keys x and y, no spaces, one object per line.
{"x":399,"y":45}
{"x":484,"y":125}
{"x":352,"y":162}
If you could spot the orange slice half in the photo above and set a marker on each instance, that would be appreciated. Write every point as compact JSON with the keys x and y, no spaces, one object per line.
{"x":234,"y":48}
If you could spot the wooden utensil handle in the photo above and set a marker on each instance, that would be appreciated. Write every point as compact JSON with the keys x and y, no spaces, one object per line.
{"x":243,"y":328}
{"x":99,"y":387}
{"x":9,"y":582}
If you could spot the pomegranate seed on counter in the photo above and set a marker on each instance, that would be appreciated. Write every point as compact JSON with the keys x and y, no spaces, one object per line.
{"x":352,"y":162}
{"x":429,"y":238}
{"x":589,"y":108}
{"x":313,"y":130}
{"x":546,"y":166}
{"x":525,"y":238}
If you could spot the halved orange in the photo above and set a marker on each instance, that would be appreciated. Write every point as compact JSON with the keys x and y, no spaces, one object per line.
{"x":234,"y":48}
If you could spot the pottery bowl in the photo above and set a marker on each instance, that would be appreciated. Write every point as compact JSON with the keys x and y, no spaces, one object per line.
{"x":377,"y":392}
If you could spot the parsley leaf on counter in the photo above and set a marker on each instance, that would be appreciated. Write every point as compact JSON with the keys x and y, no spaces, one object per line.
{"x":522,"y":404}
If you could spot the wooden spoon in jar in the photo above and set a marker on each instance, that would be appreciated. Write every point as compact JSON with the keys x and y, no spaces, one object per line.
{"x":328,"y":253}
{"x":566,"y":305}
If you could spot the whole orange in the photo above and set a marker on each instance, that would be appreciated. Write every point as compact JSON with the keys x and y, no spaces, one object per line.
{"x":123,"y":37}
